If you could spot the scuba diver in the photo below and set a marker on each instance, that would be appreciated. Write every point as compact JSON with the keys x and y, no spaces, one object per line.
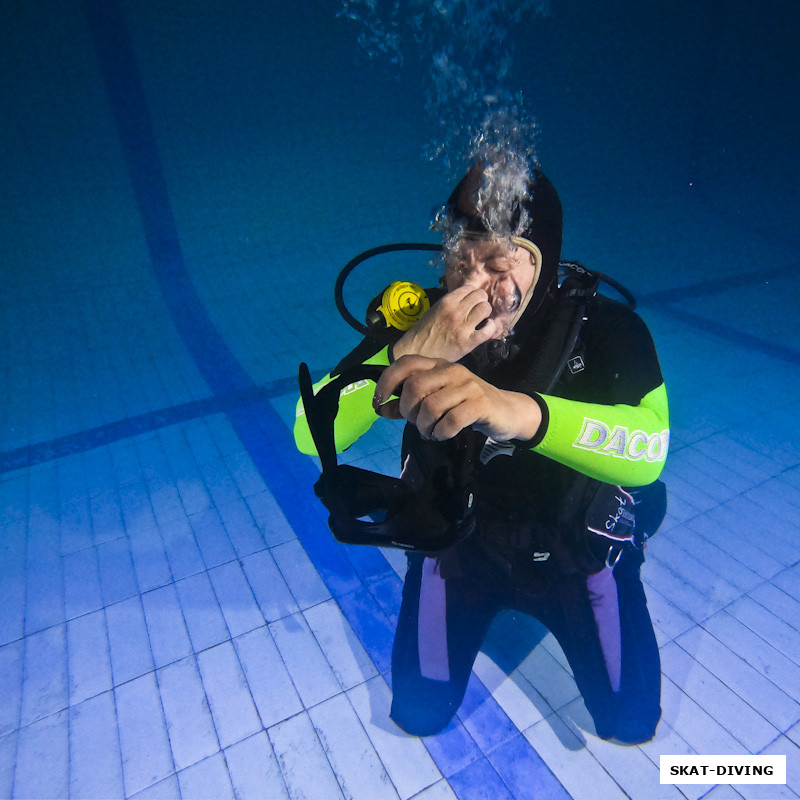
{"x":537,"y":428}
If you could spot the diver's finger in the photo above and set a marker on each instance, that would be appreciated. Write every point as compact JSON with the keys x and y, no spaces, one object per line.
{"x":490,"y":330}
{"x":390,"y":409}
{"x":465,"y":289}
{"x":394,"y":376}
{"x":420,"y":391}
{"x":465,"y":296}
{"x":479,"y":313}
{"x":474,"y":293}
{"x":462,"y":415}
{"x":436,"y":406}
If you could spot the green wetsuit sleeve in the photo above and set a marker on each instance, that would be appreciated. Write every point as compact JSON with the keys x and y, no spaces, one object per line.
{"x":356,"y":415}
{"x":619,"y":444}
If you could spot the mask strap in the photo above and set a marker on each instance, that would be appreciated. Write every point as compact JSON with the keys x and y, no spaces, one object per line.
{"x":321,"y":408}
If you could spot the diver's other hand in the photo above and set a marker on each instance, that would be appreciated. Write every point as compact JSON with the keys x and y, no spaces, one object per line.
{"x":441,"y":399}
{"x":450,"y":328}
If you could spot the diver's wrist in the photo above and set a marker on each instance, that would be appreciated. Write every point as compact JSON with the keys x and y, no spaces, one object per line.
{"x":529,"y":442}
{"x":527,"y":415}
{"x":399,"y":348}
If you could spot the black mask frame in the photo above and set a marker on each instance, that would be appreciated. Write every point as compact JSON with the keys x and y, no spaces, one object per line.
{"x":373,"y":509}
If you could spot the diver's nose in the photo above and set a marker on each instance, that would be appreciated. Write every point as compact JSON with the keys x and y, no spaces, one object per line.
{"x":484,"y":281}
{"x":478,"y":278}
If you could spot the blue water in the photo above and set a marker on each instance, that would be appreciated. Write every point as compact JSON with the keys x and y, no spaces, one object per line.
{"x":182,"y":185}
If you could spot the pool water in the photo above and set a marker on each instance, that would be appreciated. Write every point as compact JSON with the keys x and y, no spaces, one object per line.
{"x":182,"y":184}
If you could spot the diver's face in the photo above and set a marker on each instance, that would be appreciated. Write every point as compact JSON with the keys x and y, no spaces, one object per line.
{"x":505,"y":271}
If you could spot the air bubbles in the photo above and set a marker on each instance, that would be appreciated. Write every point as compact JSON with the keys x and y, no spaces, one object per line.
{"x":466,"y":48}
{"x":505,"y":146}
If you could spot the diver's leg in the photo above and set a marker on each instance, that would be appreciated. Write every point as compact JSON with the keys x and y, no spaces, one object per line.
{"x":639,"y":711}
{"x":442,"y":624}
{"x":602,"y":623}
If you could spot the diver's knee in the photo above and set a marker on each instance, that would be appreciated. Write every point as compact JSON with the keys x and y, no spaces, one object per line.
{"x":637,"y":729}
{"x":422,"y":716}
{"x":629,"y":729}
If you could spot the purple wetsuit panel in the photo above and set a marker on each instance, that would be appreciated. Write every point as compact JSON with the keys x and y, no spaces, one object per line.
{"x":432,"y":630}
{"x":605,"y":607}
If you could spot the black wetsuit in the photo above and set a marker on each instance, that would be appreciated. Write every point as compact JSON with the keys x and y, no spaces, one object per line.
{"x":530,"y":554}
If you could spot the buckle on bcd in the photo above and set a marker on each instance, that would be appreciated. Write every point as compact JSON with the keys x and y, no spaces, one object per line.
{"x":612,"y":562}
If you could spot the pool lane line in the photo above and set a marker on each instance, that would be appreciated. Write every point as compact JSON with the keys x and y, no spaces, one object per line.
{"x":668,"y":302}
{"x":711,"y":286}
{"x":663,"y":302}
{"x":129,"y":106}
{"x":348,"y":572}
{"x":140,"y":424}
{"x":728,"y":333}
{"x":217,"y":365}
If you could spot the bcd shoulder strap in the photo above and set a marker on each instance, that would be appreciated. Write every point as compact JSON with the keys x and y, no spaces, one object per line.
{"x":540,"y":364}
